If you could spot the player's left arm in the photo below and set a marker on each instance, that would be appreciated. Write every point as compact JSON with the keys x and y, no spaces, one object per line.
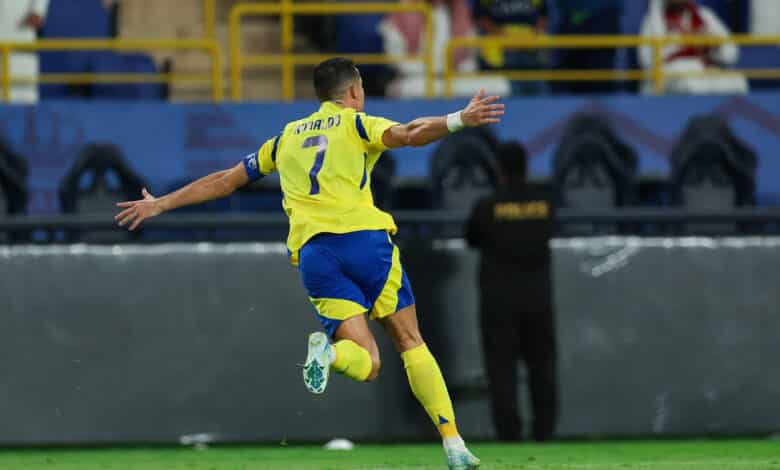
{"x":213,"y":186}
{"x":481,"y":110}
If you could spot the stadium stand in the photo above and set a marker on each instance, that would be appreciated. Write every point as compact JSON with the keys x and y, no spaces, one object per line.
{"x":111,"y":62}
{"x":665,"y":252}
{"x":72,"y":19}
{"x":340,"y":33}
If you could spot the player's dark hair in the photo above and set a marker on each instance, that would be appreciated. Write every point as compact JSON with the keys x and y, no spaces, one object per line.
{"x":333,"y":76}
{"x":513,"y":159}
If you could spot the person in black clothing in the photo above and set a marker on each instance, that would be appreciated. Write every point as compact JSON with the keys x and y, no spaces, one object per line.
{"x":512,"y":229}
{"x":513,"y":17}
{"x":588,"y":17}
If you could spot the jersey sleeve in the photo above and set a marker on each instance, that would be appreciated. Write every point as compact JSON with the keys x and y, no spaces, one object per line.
{"x":371,"y":129}
{"x":262,"y":162}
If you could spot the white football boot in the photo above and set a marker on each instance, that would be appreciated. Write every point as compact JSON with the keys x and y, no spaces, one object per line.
{"x":458,"y":456}
{"x":317,"y":366}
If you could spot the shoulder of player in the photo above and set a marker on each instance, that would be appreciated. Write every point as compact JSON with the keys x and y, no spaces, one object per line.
{"x":289,"y":128}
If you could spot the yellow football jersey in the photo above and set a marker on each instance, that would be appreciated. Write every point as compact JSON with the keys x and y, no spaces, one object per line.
{"x":324,"y":163}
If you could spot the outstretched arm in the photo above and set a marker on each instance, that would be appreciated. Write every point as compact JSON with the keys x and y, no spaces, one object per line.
{"x":213,"y":186}
{"x":422,"y":131}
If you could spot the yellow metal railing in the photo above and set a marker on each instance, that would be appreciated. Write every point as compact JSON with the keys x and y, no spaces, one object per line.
{"x":209,"y":17}
{"x":656,"y":75}
{"x":286,"y":9}
{"x":208,"y":46}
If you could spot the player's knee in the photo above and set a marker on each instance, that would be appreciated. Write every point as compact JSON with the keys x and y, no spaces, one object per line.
{"x":376,"y":364}
{"x":409,"y":340}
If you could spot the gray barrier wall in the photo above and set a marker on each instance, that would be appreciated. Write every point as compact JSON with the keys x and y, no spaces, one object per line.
{"x":150,"y":343}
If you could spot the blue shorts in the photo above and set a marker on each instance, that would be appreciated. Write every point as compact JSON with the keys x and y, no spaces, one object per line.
{"x":353,"y":273}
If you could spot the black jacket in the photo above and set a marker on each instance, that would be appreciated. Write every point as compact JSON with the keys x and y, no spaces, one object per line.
{"x":512,"y":229}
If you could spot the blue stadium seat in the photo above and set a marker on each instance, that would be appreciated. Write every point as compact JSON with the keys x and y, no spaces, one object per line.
{"x":71,"y":19}
{"x":633,"y":14}
{"x":111,"y":62}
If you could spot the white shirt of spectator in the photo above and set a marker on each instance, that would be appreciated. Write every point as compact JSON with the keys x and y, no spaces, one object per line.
{"x":24,"y":65}
{"x":654,"y":25}
{"x":411,"y":80}
{"x":765,"y":17}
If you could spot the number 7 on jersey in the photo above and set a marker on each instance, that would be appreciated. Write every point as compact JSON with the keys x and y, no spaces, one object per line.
{"x":321,"y":142}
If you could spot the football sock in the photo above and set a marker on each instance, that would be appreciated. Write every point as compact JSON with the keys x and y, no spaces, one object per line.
{"x":428,"y":386}
{"x":352,"y":360}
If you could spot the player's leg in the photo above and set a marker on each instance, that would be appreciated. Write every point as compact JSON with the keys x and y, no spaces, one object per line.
{"x":374,"y":262}
{"x":388,"y":289}
{"x":427,"y":383}
{"x":499,"y":341}
{"x":356,"y":352}
{"x":422,"y":370}
{"x":540,"y":359}
{"x":341,"y":308}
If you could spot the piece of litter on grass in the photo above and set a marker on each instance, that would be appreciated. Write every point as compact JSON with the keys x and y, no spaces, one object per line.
{"x":339,"y":444}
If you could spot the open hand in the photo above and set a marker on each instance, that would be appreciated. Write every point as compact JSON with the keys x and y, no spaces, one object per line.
{"x":137,"y":211}
{"x":482,"y":110}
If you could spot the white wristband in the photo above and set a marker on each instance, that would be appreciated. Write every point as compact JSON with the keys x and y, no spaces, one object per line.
{"x":454,"y":122}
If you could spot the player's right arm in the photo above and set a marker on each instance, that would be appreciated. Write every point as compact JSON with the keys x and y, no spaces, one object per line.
{"x":213,"y":186}
{"x":481,"y":110}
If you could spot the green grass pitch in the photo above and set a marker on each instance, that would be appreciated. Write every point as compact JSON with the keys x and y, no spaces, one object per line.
{"x":669,"y":455}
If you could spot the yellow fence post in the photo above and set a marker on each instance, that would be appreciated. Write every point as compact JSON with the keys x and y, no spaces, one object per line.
{"x":288,"y":66}
{"x":287,"y":9}
{"x":429,"y":72}
{"x":5,"y":51}
{"x":449,"y":66}
{"x":234,"y":30}
{"x":209,"y":15}
{"x":217,"y":90}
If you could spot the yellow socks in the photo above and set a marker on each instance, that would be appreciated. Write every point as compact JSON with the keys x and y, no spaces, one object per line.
{"x":352,"y":360}
{"x":423,"y":372}
{"x":428,"y":386}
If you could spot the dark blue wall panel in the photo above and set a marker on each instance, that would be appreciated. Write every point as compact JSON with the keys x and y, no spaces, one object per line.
{"x":169,"y":143}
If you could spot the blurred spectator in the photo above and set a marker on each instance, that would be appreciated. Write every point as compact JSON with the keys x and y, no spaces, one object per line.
{"x":588,"y":17}
{"x":686,"y":17}
{"x":19,"y":22}
{"x":403,"y":34}
{"x":512,"y":229}
{"x":765,"y":17}
{"x":513,"y":17}
{"x":359,"y":34}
